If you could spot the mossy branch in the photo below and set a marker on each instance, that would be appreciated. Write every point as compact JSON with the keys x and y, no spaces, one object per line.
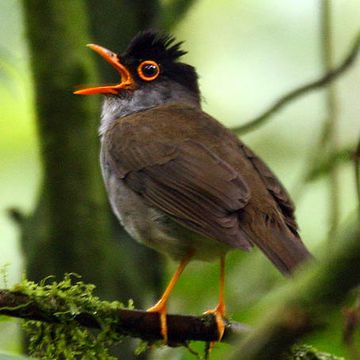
{"x":134,"y":323}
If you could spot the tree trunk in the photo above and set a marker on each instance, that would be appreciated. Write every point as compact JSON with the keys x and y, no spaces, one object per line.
{"x":71,"y":222}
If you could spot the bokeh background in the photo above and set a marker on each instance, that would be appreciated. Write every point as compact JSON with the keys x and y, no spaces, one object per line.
{"x":248,"y":53}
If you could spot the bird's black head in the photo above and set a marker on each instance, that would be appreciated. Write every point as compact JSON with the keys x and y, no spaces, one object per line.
{"x":151,"y":58}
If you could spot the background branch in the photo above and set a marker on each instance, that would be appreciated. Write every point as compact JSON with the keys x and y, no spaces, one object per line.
{"x":327,"y":162}
{"x":357,"y":173}
{"x":302,"y":90}
{"x":304,"y":304}
{"x":331,"y":123}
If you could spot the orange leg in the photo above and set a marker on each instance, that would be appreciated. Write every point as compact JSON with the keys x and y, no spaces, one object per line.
{"x":160,"y":306}
{"x":219,"y":310}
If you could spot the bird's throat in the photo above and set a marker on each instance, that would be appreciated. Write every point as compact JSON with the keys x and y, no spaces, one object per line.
{"x":142,"y":99}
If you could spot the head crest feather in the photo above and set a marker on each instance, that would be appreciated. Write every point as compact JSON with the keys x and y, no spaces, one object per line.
{"x":154,"y":45}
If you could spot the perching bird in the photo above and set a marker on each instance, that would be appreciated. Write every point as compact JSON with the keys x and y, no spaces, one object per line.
{"x":178,"y":180}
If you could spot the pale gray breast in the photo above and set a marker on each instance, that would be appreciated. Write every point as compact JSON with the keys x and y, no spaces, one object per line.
{"x":126,"y":204}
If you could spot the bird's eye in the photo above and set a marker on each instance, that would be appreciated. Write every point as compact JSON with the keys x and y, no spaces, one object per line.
{"x":148,"y":70}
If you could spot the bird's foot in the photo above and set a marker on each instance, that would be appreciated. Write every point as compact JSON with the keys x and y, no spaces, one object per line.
{"x":218,"y":313}
{"x":160,"y":308}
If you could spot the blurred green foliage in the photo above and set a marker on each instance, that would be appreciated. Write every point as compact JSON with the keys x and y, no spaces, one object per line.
{"x":247,"y":54}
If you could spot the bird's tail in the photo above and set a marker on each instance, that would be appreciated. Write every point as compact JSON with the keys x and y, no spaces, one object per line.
{"x":284,"y":249}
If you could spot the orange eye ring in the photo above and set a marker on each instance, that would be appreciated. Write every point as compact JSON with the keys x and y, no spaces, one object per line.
{"x":148,"y":70}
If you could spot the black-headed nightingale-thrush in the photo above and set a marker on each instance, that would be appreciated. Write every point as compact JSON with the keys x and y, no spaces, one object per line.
{"x":178,"y":180}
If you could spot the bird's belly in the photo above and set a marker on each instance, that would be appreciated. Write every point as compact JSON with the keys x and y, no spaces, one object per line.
{"x":155,"y":229}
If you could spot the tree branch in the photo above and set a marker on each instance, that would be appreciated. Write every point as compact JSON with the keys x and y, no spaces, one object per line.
{"x":327,"y":162}
{"x":357,"y":172}
{"x":302,"y":90}
{"x":134,"y":323}
{"x":331,"y":123}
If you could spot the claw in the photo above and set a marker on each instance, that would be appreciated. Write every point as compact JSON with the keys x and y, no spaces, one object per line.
{"x":160,"y":308}
{"x":218,"y":312}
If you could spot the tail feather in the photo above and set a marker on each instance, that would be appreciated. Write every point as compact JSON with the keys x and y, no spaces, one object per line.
{"x":283,"y":248}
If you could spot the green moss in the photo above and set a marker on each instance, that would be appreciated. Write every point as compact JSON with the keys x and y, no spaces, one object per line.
{"x":307,"y":352}
{"x":142,"y":347}
{"x":65,"y":300}
{"x":4,"y":275}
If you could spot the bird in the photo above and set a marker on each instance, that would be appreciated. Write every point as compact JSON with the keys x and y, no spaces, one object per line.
{"x":177,"y":179}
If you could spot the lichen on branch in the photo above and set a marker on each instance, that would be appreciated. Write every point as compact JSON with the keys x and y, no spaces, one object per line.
{"x":64,"y":301}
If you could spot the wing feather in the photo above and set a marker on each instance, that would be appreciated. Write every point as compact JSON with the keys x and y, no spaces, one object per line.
{"x":275,"y":188}
{"x":190,"y":183}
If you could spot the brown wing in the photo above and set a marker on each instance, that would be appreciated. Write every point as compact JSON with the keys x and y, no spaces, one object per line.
{"x":188,"y":182}
{"x":275,"y":188}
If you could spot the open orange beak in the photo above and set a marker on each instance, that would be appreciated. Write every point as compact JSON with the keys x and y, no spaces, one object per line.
{"x":126,"y":80}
